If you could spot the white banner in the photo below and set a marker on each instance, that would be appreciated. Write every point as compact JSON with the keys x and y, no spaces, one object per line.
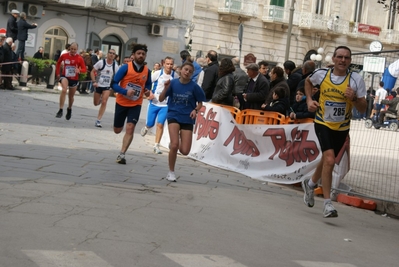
{"x":276,"y":153}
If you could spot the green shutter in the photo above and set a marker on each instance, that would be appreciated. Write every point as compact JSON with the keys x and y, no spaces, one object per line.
{"x":277,"y":3}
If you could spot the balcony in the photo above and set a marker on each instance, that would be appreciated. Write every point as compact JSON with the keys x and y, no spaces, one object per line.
{"x":244,"y":9}
{"x":108,"y":4}
{"x":161,"y":8}
{"x":133,"y":6}
{"x":279,"y":15}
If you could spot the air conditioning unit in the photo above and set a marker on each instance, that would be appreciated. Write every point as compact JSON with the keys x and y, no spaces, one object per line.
{"x":10,"y":5}
{"x":34,"y":11}
{"x":156,"y":29}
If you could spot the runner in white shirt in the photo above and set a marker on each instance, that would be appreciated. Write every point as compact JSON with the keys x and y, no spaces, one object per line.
{"x":101,"y":76}
{"x":158,"y":110}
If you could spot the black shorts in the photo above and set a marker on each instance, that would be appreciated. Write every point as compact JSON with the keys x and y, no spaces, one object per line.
{"x":330,"y":139}
{"x":121,"y":113}
{"x":100,"y":90}
{"x":71,"y":83}
{"x":183,"y":126}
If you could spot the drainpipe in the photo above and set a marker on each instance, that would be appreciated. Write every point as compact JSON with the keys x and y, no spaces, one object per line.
{"x":287,"y":48}
{"x":87,"y":28}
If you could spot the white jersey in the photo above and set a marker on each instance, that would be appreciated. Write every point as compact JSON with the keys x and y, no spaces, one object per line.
{"x":159,"y":78}
{"x":381,"y":94}
{"x":105,"y":75}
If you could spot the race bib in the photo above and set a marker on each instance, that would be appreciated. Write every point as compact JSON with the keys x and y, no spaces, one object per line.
{"x":104,"y":80}
{"x":70,"y":71}
{"x":136,"y":89}
{"x":334,"y":111}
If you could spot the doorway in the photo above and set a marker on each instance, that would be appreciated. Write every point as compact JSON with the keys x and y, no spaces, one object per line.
{"x":112,"y":42}
{"x":54,"y":39}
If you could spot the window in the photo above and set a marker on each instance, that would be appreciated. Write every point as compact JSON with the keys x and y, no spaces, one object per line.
{"x":319,"y":7}
{"x":392,"y":15}
{"x":358,"y":11}
{"x":277,"y":3}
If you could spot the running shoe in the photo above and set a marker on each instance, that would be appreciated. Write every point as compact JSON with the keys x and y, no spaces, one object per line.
{"x":144,"y":131}
{"x":98,"y":124}
{"x":329,"y":210}
{"x":171,"y":177}
{"x":69,"y":114}
{"x":308,"y":197}
{"x":121,"y":159}
{"x":59,"y":114}
{"x":157,"y":150}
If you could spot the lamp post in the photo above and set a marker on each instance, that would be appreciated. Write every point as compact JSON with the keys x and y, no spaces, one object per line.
{"x":319,"y":57}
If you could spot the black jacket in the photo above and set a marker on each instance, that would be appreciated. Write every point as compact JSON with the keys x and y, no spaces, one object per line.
{"x":7,"y":56}
{"x":301,"y":110}
{"x":210,"y":79}
{"x":257,"y":97}
{"x":392,"y":104}
{"x":23,"y":28}
{"x":277,"y":83}
{"x":293,"y":80}
{"x":224,"y":89}
{"x":38,"y":55}
{"x":280,"y":105}
{"x":12,"y":28}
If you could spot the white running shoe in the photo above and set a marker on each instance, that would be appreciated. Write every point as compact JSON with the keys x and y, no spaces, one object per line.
{"x":157,"y":150}
{"x":144,"y":131}
{"x":329,"y":211}
{"x":171,"y":177}
{"x":308,"y":197}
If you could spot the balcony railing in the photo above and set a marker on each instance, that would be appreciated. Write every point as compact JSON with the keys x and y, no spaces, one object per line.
{"x":278,"y":14}
{"x":111,"y":4}
{"x":134,"y":6}
{"x":242,"y":8}
{"x":163,"y":8}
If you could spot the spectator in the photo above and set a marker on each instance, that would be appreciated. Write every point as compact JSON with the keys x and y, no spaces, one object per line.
{"x":224,"y":89}
{"x":39,"y":53}
{"x":300,"y":109}
{"x":240,"y":80}
{"x":264,"y":69}
{"x":210,"y":74}
{"x":393,"y":105}
{"x":89,"y":67}
{"x":6,"y":69}
{"x":277,"y":81}
{"x":57,"y":55}
{"x":95,"y":56}
{"x":257,"y":89}
{"x":380,"y":95}
{"x":279,"y":103}
{"x":294,"y":77}
{"x":12,"y":27}
{"x":308,"y":67}
{"x":201,"y":61}
{"x":22,"y":36}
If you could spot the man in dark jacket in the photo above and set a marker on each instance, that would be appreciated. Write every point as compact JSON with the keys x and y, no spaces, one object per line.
{"x":210,"y":74}
{"x":257,"y":89}
{"x":308,"y":67}
{"x":240,"y":80}
{"x":12,"y":28}
{"x":393,"y":105}
{"x":22,"y":36}
{"x":6,"y":69}
{"x":277,"y":81}
{"x":294,"y":77}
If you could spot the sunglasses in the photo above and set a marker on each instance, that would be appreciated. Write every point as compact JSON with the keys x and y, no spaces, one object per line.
{"x":111,"y":53}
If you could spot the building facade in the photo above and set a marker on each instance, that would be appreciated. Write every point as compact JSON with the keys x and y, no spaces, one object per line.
{"x":106,"y":24}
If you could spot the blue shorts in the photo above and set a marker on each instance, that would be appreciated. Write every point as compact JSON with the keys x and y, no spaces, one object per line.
{"x":155,"y":112}
{"x":71,"y":83}
{"x":100,"y":90}
{"x":121,"y":113}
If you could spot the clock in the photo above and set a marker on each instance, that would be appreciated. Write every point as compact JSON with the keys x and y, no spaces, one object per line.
{"x":375,"y":46}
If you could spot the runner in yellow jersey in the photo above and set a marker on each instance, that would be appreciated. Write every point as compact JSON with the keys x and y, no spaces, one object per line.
{"x":340,"y":90}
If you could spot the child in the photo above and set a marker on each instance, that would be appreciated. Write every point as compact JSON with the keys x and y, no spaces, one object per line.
{"x":280,"y":103}
{"x":184,"y":102}
{"x":299,"y":109}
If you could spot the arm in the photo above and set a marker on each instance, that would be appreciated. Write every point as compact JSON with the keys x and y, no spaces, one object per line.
{"x":312,"y":104}
{"x":162,"y":96}
{"x":117,"y":78}
{"x":360,"y":103}
{"x":58,"y":65}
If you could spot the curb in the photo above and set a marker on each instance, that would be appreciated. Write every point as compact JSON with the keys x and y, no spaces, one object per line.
{"x":356,"y":202}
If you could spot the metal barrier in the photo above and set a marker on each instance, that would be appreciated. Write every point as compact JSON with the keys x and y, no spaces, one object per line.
{"x":374,"y":153}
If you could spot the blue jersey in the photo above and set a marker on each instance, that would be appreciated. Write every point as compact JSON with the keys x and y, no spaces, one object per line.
{"x":183,"y":99}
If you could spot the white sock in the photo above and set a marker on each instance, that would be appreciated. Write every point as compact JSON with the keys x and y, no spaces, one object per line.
{"x":326,"y":201}
{"x":311,"y":184}
{"x":156,"y":145}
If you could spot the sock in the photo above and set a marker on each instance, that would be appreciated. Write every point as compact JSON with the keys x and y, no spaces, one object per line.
{"x":311,"y":184}
{"x":122,"y":154}
{"x":156,"y":145}
{"x":326,"y":201}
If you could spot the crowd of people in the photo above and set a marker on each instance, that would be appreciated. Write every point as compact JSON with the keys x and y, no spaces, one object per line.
{"x":177,"y":92}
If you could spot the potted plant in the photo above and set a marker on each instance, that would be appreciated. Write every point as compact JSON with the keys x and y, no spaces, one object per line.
{"x":160,"y":10}
{"x":40,"y":68}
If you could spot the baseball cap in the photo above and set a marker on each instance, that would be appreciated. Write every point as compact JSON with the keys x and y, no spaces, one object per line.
{"x":14,"y":11}
{"x":252,"y":66}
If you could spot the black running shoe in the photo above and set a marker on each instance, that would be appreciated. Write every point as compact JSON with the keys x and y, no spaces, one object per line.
{"x":59,"y":114}
{"x":121,"y":159}
{"x":69,"y":114}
